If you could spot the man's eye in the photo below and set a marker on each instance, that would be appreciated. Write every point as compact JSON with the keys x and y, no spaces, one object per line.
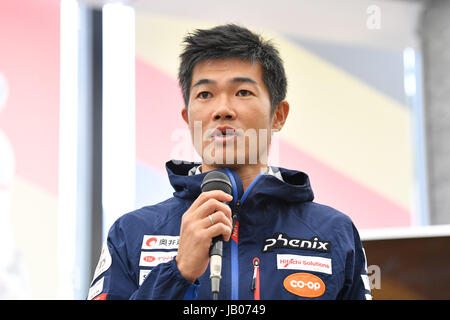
{"x":243,"y":93}
{"x":204,"y":95}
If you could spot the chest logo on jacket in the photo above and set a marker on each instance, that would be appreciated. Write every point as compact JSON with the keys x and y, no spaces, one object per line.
{"x":281,"y":240}
{"x":160,"y":242}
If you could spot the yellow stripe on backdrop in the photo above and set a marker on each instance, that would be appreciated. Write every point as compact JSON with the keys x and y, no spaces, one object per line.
{"x":349,"y":125}
{"x":34,"y":215}
{"x":336,"y":118}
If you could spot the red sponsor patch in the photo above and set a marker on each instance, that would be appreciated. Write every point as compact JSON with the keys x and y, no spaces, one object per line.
{"x":235,"y":233}
{"x":150,"y":241}
{"x":149,"y":258}
{"x":304,"y":285}
{"x":101,"y":297}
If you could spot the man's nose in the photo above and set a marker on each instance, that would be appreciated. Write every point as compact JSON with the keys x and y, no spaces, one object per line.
{"x":224,"y":111}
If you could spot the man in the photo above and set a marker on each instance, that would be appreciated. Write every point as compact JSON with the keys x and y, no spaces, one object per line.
{"x":281,"y":244}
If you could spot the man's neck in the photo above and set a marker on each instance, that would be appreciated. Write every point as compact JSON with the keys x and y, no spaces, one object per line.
{"x":247,"y":173}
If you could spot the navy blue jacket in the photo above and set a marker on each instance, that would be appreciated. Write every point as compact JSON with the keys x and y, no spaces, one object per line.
{"x":284,"y":246}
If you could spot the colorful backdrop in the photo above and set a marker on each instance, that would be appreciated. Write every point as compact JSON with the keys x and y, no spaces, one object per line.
{"x":348,"y":129}
{"x":29,"y":124}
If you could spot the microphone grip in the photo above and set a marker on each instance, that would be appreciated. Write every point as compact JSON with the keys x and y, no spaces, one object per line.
{"x":215,"y":265}
{"x":216,"y":246}
{"x":216,"y":180}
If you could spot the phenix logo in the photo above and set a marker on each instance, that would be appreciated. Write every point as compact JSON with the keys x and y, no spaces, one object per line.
{"x":281,"y":240}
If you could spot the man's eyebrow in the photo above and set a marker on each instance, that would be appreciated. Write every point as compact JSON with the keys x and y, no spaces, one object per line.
{"x":244,"y":79}
{"x":203,"y":81}
{"x":234,"y":80}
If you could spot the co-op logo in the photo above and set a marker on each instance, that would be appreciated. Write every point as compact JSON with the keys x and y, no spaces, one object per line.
{"x":304,"y":285}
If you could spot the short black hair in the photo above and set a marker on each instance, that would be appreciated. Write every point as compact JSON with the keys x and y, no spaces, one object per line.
{"x":233,"y":41}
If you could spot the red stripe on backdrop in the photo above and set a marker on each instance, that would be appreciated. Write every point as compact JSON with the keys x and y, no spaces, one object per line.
{"x":29,"y":59}
{"x":158,"y":106}
{"x":367,"y":208}
{"x":158,"y":115}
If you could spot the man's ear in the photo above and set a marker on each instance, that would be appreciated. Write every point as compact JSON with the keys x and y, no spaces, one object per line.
{"x":280,"y":115}
{"x":184,"y":114}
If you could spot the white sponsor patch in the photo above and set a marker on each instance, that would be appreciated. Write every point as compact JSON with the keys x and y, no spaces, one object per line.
{"x":104,"y":262}
{"x":160,"y":242}
{"x":152,"y":259}
{"x":143,"y":274}
{"x":309,"y":263}
{"x":366,"y":282}
{"x":96,"y":289}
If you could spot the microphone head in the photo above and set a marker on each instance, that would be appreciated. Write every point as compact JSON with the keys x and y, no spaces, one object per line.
{"x":216,"y":180}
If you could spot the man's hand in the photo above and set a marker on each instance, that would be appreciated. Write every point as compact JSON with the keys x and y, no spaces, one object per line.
{"x":196,"y":232}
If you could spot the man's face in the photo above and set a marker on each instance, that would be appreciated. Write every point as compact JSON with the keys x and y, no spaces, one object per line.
{"x":229,"y":113}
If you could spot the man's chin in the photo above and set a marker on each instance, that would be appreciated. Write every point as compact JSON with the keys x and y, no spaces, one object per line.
{"x":231,"y":164}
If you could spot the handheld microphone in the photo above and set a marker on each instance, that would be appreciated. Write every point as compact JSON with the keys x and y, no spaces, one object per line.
{"x":216,"y":180}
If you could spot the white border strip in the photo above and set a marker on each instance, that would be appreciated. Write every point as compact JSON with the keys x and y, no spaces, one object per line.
{"x":68,"y":151}
{"x":119,"y":123}
{"x":405,"y":232}
{"x":412,"y":66}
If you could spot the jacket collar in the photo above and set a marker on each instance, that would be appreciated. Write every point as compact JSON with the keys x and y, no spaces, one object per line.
{"x":294,"y":186}
{"x":196,"y":169}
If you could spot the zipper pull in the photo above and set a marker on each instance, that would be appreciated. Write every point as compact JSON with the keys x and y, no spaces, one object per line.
{"x":235,"y":214}
{"x":255,"y":279}
{"x":236,"y":209}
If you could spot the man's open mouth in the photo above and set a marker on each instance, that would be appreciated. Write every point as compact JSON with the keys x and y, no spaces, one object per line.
{"x":223,"y":134}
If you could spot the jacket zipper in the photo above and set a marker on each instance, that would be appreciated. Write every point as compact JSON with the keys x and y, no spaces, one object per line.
{"x":234,"y":244}
{"x":235,"y":216}
{"x":235,"y":255}
{"x":255,"y":279}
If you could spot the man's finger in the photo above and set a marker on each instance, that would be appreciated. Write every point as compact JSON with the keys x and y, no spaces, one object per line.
{"x":219,"y":195}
